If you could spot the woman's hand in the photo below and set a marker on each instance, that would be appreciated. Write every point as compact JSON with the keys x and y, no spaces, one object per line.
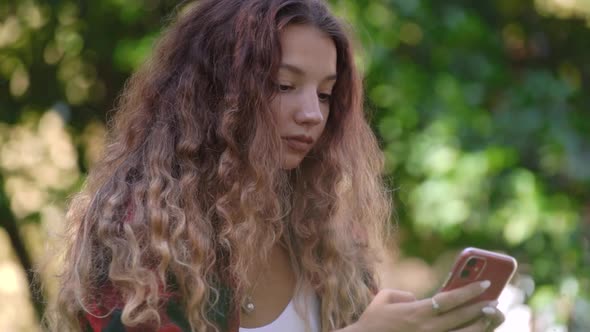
{"x":393,"y":311}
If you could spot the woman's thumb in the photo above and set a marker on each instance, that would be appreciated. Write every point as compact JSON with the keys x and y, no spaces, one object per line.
{"x":395,"y":296}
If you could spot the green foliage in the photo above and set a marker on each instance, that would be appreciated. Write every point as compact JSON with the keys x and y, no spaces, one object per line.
{"x":480,"y":107}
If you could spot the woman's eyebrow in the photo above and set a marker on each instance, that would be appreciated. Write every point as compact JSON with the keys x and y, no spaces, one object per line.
{"x":298,"y":71}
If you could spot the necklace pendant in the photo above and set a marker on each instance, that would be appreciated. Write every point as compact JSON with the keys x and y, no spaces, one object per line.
{"x":248,"y":305}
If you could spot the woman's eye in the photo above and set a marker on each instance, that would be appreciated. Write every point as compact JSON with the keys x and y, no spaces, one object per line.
{"x":284,"y":88}
{"x":324,"y":97}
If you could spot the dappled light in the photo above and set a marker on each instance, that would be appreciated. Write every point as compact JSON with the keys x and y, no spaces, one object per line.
{"x":39,"y":168}
{"x":565,"y":8}
{"x":480,"y":109}
{"x":16,"y":311}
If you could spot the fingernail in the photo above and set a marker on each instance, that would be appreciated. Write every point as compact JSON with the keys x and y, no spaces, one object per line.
{"x":485,"y":284}
{"x":488,"y":310}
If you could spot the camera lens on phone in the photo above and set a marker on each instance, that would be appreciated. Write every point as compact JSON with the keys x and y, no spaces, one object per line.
{"x":472,"y":262}
{"x":465,"y":273}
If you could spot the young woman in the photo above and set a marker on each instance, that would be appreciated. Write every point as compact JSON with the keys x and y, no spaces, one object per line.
{"x":240,"y":190}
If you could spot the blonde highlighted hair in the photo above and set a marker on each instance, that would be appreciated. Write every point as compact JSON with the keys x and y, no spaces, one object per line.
{"x":190,"y":186}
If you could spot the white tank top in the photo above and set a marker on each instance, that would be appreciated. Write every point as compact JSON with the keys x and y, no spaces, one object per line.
{"x":290,"y":321}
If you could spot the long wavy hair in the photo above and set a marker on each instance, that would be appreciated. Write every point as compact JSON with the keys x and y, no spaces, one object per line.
{"x":190,"y":185}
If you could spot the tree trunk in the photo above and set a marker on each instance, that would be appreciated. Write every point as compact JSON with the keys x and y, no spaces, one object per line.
{"x":9,"y":223}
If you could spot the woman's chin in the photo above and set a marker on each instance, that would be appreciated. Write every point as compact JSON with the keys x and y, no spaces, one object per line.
{"x":291,"y":161}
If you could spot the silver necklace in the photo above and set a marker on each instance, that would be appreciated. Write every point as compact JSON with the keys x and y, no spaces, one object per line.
{"x":248,"y":305}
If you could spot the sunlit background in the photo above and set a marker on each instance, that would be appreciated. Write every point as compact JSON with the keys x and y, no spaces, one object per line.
{"x":481,"y":108}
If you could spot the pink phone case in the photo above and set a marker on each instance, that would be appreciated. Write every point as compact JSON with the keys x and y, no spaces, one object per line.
{"x":475,"y":264}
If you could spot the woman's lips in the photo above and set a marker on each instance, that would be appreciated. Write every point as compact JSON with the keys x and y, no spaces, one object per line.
{"x":298,"y":144}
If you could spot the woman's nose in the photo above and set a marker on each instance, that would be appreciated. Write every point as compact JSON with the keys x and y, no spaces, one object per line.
{"x":309,"y":111}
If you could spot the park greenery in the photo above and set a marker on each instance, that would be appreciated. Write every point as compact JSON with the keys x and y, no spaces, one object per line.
{"x":481,"y":108}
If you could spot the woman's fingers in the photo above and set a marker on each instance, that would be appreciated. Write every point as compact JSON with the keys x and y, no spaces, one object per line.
{"x":391,"y":296}
{"x":481,"y":325}
{"x":452,"y":299}
{"x":493,"y":316}
{"x":397,"y":296}
{"x":463,"y":316}
{"x":489,"y":318}
{"x":422,"y":315}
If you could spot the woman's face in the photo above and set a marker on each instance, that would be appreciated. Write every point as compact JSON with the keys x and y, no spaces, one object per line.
{"x":305,"y":80}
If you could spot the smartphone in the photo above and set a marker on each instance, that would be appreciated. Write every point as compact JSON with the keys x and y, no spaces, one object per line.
{"x":474,"y":264}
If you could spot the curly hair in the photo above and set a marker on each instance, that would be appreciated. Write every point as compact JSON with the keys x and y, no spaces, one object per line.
{"x":191,"y":188}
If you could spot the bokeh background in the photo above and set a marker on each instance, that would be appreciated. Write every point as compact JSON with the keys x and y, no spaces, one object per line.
{"x":481,"y":107}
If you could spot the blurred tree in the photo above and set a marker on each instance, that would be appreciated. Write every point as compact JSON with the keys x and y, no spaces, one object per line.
{"x":482,"y":114}
{"x":480,"y":107}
